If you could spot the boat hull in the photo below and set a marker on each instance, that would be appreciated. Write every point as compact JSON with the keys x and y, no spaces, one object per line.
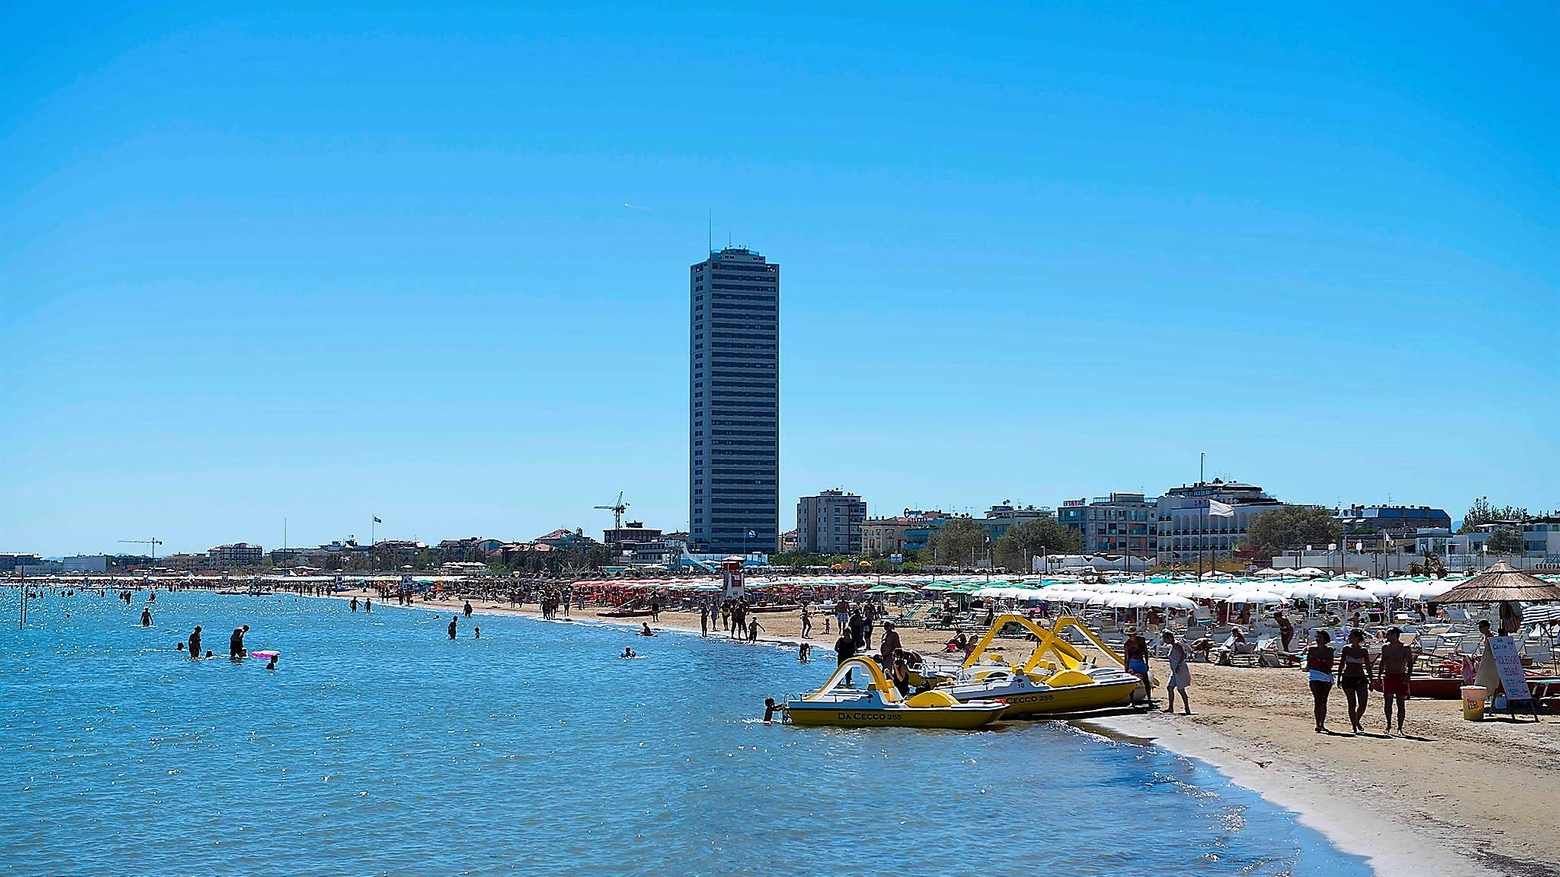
{"x":1072,"y":699}
{"x":844,"y":716}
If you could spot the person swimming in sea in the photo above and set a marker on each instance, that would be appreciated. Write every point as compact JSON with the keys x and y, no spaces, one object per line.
{"x":271,"y":664}
{"x":477,"y":634}
{"x":770,"y":708}
{"x":645,"y":630}
{"x":628,"y":653}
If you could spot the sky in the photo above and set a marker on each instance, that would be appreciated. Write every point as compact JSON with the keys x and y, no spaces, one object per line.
{"x":309,"y":263}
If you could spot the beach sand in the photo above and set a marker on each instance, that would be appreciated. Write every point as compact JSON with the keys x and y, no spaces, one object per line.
{"x":1452,"y":798}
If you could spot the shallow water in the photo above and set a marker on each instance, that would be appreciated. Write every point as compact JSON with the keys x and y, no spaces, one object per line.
{"x":380,"y":747}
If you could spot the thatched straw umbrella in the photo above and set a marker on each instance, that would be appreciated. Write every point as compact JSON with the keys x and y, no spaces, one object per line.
{"x":1499,"y":583}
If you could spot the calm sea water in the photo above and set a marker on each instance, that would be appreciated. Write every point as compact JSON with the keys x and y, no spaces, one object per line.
{"x":380,"y":747}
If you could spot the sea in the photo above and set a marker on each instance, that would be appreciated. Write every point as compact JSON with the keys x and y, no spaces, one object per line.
{"x":379,"y":746}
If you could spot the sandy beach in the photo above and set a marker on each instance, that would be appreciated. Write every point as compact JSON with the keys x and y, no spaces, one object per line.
{"x":1452,"y":798}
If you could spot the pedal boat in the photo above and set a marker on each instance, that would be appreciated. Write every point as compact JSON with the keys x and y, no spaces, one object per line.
{"x":880,"y":705}
{"x":1055,"y":679}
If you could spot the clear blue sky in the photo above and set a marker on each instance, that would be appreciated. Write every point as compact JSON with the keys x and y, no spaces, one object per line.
{"x":297,"y":260}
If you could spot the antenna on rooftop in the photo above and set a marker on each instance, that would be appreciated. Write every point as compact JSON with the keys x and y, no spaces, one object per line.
{"x":709,"y":231}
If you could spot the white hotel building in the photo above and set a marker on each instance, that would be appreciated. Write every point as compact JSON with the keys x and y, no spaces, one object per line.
{"x":1207,"y":519}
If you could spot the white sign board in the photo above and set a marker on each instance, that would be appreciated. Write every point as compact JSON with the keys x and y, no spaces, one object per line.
{"x":1509,"y":665}
{"x":733,"y":589}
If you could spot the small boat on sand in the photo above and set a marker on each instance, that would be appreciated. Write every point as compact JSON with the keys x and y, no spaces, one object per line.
{"x":1055,"y":679}
{"x":880,"y":704}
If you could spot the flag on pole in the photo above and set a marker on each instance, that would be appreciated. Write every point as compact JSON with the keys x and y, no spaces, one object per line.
{"x":1218,"y":509}
{"x":377,"y":521}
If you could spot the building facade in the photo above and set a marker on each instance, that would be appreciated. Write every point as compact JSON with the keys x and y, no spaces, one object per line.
{"x":1001,"y":517}
{"x":237,"y":554}
{"x":1121,"y":523}
{"x":734,"y":403}
{"x":1206,"y":519}
{"x":830,"y":523}
{"x":1375,"y":528}
{"x":905,"y":532}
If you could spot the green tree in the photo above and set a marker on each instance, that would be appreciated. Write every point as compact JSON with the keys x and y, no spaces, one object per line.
{"x":960,"y":542}
{"x":1289,"y":528}
{"x":1030,"y":539}
{"x":1482,"y":512}
{"x":1505,"y":540}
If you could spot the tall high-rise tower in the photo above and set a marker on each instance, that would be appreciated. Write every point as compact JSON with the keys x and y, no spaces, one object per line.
{"x":734,"y":403}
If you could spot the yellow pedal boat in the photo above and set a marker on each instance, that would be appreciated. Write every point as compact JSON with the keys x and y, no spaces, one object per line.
{"x":880,"y":705}
{"x":1055,"y":679}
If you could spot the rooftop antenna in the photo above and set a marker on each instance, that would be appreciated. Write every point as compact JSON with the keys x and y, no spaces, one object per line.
{"x":709,"y":231}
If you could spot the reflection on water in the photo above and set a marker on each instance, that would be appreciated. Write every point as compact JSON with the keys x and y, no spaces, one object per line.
{"x":380,"y":747}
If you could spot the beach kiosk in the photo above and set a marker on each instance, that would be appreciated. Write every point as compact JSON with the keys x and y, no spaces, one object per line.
{"x":1500,"y":666}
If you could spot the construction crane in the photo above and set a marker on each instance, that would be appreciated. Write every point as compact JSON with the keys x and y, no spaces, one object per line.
{"x":617,"y":511}
{"x":153,"y":542}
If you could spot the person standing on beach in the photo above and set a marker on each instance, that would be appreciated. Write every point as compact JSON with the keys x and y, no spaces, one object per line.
{"x":806,"y":619}
{"x":1354,"y":669}
{"x":704,"y":619}
{"x":890,"y":643}
{"x":1180,"y":673}
{"x":1318,"y":665}
{"x":1135,"y":650}
{"x":1397,"y":662}
{"x":1286,"y":630}
{"x":195,"y":642}
{"x":844,"y":650}
{"x":868,"y":616}
{"x":452,"y":627}
{"x":842,"y":614}
{"x":655,"y":609}
{"x":753,"y":628}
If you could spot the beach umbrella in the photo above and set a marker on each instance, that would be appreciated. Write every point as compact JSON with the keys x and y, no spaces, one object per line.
{"x":1256,"y":597}
{"x":1499,"y":583}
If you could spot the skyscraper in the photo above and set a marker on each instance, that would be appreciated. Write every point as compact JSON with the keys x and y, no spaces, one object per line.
{"x":734,"y":403}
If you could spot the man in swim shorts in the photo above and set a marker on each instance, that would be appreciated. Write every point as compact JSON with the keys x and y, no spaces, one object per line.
{"x":1135,"y":650}
{"x":1397,"y":662}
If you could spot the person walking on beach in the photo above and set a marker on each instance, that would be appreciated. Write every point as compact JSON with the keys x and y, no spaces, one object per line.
{"x":1319,"y":660}
{"x":1135,"y":650}
{"x":1397,"y":662}
{"x":146,"y":617}
{"x":655,"y":609}
{"x":753,"y":628}
{"x":195,"y":642}
{"x":1180,"y":673}
{"x":856,"y":625}
{"x":704,"y":620}
{"x":1354,"y":669}
{"x":452,"y":627}
{"x":806,"y":619}
{"x":842,"y":614}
